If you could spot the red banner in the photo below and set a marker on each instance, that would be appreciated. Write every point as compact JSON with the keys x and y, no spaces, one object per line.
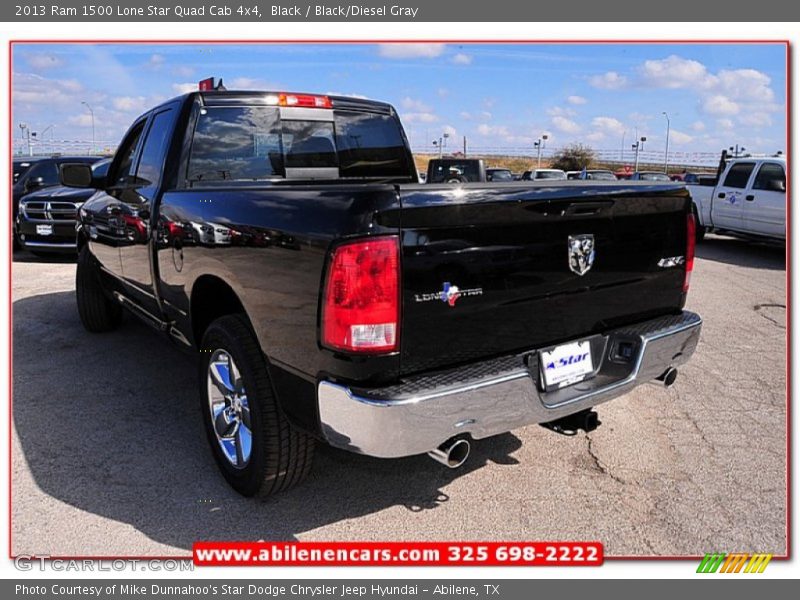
{"x":419,"y":554}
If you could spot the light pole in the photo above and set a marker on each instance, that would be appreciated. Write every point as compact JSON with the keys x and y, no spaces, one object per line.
{"x":52,"y":129}
{"x":92,"y":113}
{"x":26,"y":136}
{"x":622,"y":149}
{"x":666,"y":146}
{"x":736,"y":150}
{"x":636,"y":147}
{"x":539,"y":145}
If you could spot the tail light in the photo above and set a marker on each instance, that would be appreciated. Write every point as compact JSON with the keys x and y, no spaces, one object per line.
{"x":361,"y":298}
{"x":691,"y":227}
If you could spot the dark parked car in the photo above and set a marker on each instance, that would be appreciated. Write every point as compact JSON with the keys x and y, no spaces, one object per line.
{"x":39,"y":173}
{"x":650,"y":176}
{"x":47,"y":217}
{"x":497,"y":174}
{"x":285,"y":241}
{"x":456,"y":170}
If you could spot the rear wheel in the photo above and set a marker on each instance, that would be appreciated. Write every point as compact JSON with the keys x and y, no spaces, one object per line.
{"x":97,"y":311}
{"x":699,"y":230}
{"x":255,"y":447}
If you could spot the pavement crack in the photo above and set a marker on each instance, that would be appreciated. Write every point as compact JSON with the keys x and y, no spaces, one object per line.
{"x":759,"y":309}
{"x":597,"y":463}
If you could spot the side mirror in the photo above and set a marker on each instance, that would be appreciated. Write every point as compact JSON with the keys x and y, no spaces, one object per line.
{"x":776,"y":185}
{"x":78,"y":175}
{"x":34,"y":183}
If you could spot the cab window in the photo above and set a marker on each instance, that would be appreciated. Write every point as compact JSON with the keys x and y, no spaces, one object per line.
{"x":771,"y":177}
{"x":738,"y":175}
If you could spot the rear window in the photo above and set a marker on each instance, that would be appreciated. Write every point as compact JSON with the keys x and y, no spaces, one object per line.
{"x":454,"y":171}
{"x":254,"y":143}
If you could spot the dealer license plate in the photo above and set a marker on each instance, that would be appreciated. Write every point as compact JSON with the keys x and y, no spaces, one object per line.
{"x":566,"y":364}
{"x":44,"y":230}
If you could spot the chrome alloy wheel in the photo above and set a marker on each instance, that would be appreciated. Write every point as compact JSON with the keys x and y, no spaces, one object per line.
{"x":230,"y":411}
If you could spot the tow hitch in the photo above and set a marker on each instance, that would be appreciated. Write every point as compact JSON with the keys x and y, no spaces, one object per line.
{"x":586,"y":420}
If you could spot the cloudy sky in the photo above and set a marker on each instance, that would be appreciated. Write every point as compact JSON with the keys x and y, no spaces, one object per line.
{"x":502,"y":97}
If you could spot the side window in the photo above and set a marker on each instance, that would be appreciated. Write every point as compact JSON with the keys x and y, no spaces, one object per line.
{"x":739,"y":174}
{"x":771,"y":177}
{"x":151,"y":162}
{"x":126,"y":152}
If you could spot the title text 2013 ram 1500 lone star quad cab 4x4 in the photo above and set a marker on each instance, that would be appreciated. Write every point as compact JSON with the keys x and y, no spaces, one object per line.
{"x":329,"y":296}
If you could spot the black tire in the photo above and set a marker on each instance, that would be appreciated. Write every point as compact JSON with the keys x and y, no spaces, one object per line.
{"x":699,"y":230}
{"x":280,"y":456}
{"x":97,"y":311}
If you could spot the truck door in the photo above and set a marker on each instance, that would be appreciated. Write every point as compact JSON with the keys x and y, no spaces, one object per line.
{"x":729,"y":197}
{"x":765,"y":202}
{"x":137,"y":202}
{"x":106,"y":225}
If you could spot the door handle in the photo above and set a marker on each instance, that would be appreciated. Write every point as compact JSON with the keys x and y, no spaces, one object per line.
{"x":750,"y":197}
{"x":721,"y":195}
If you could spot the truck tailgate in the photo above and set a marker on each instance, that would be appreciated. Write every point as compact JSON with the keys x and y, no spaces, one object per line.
{"x":487,"y":268}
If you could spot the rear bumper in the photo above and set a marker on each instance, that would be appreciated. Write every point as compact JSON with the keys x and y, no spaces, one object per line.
{"x":496,"y":396}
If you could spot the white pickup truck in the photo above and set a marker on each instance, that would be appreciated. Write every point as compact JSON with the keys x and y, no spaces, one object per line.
{"x":749,"y":199}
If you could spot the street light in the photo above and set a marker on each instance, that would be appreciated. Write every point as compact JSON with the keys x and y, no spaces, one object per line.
{"x":539,"y":145}
{"x":26,"y":136}
{"x":737,"y":150}
{"x":92,"y":113}
{"x":441,"y":143}
{"x":666,"y":147}
{"x":639,"y":145}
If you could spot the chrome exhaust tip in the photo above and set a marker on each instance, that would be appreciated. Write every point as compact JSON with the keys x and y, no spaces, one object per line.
{"x":668,"y":377}
{"x":452,"y":454}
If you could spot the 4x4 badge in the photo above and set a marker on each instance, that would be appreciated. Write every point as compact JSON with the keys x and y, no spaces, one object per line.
{"x":581,"y":253}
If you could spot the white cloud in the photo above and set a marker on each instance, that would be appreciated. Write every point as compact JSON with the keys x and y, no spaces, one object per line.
{"x":461,"y":59}
{"x":726,"y":124}
{"x":182,"y":71}
{"x":608,"y":81}
{"x":81,"y":120}
{"x":156,"y":61}
{"x":719,"y":105}
{"x":415,"y":105}
{"x":675,"y":72}
{"x":44,"y":61}
{"x":183,"y":88}
{"x":442,"y":92}
{"x":698,"y":126}
{"x":576,"y":100}
{"x":410,"y":50}
{"x":466,"y":116}
{"x":608,"y":125}
{"x":420,"y":117}
{"x":746,"y":84}
{"x":755,"y":119}
{"x":560,"y":111}
{"x":248,"y":83}
{"x":493,"y":130}
{"x":679,"y":138}
{"x":130,"y":103}
{"x":565,"y":125}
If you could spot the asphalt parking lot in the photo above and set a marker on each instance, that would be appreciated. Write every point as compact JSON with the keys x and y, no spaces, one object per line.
{"x":109,"y":457}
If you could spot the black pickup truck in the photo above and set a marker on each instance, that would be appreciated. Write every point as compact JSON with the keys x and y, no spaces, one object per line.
{"x":284,"y":239}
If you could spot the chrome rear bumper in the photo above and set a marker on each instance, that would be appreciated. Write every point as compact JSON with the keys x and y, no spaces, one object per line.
{"x":497,"y":396}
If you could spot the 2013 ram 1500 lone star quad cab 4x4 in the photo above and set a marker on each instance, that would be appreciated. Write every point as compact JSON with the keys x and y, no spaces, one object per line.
{"x":284,"y":239}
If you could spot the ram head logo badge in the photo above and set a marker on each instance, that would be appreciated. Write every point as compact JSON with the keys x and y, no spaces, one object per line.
{"x":581,"y":253}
